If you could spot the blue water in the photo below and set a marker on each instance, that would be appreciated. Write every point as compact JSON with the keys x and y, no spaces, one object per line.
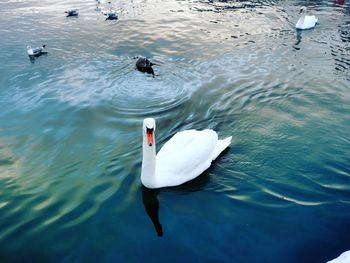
{"x":70,"y":131}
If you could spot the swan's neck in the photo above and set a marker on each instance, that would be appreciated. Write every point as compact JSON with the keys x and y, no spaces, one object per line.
{"x":300,"y":23}
{"x":148,"y":177}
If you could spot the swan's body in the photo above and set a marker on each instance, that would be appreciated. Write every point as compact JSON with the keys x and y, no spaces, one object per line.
{"x":185,"y":156}
{"x":343,"y":258}
{"x":37,"y":51}
{"x":305,"y":22}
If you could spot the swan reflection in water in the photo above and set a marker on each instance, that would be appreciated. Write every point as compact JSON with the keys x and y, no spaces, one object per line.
{"x":151,"y":202}
{"x":298,"y":39}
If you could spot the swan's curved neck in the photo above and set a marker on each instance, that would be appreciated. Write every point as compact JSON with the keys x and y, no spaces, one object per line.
{"x":148,"y":163}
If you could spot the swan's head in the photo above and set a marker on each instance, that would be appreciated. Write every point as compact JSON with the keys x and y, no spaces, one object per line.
{"x":149,"y":126}
{"x":302,"y":10}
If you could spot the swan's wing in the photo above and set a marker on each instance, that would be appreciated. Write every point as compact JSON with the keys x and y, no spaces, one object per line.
{"x":185,"y":156}
{"x":310,"y":21}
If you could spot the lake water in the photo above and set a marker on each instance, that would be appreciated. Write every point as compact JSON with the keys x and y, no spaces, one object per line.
{"x":70,"y":131}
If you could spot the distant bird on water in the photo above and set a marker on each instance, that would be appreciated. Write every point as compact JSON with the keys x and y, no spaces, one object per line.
{"x":144,"y":65}
{"x":72,"y":12}
{"x":111,"y":15}
{"x":305,"y":22}
{"x":36,"y":52}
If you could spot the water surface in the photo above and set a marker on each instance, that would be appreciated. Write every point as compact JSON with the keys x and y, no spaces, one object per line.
{"x":70,"y":131}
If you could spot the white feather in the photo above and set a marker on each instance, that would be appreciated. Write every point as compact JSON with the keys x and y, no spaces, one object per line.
{"x":343,"y":258}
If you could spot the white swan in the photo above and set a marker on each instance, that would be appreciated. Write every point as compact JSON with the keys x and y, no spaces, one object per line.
{"x":343,"y":258}
{"x":185,"y":156}
{"x":305,"y":22}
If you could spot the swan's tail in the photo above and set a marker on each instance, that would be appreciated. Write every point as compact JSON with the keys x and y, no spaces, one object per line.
{"x":220,"y":146}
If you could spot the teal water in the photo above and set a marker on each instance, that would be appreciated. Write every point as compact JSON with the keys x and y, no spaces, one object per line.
{"x":70,"y":131}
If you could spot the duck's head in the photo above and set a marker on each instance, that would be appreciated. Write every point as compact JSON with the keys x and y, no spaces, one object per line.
{"x":302,"y":10}
{"x":149,"y":126}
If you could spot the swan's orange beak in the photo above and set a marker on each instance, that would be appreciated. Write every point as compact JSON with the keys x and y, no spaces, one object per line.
{"x":150,"y":137}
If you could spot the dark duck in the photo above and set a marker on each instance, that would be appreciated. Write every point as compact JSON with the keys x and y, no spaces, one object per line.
{"x":112,"y":15}
{"x":72,"y":12}
{"x":144,"y":65}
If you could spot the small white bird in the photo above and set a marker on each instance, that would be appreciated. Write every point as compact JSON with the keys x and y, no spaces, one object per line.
{"x":184,"y":157}
{"x":37,"y":51}
{"x":343,"y":258}
{"x":305,"y":22}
